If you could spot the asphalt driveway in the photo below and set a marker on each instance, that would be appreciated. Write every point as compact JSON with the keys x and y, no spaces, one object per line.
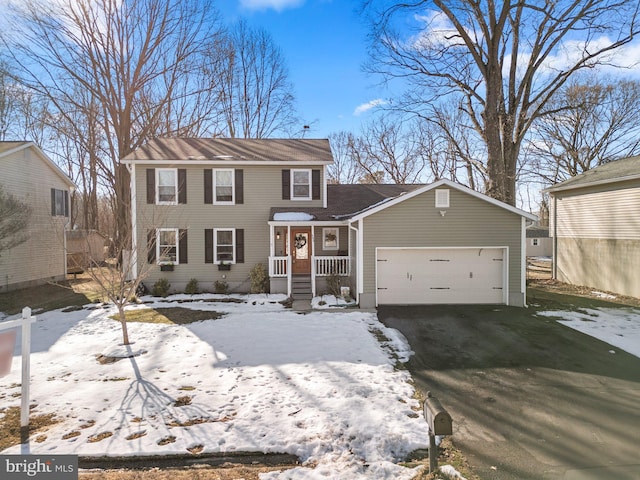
{"x":530,"y":398}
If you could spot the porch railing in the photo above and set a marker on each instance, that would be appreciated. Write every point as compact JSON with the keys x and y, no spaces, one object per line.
{"x":333,"y":265}
{"x":278,"y":266}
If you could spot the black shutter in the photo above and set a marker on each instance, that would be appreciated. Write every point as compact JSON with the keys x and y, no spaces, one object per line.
{"x":239,"y":181}
{"x":239,"y":245}
{"x":315,"y":184}
{"x":182,"y":246}
{"x":53,"y":202}
{"x":208,"y":245}
{"x":151,"y":185}
{"x":208,"y":186}
{"x":182,"y":185}
{"x":151,"y":246}
{"x":286,"y":184}
{"x":66,"y":203}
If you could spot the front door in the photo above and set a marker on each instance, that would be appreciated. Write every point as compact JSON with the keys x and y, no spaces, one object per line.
{"x":300,"y":250}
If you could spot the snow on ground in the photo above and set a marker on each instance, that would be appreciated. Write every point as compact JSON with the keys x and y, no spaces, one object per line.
{"x":261,"y":378}
{"x":619,"y":327}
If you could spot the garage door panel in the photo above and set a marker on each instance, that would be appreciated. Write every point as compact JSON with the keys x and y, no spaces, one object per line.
{"x":424,"y":276}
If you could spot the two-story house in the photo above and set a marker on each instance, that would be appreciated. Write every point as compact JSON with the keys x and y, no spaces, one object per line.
{"x":211,"y":209}
{"x":28,"y":174}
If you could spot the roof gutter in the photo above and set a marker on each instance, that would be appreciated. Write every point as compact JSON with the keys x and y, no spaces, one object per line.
{"x":627,"y":178}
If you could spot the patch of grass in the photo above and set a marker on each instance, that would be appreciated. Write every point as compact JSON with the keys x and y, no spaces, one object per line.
{"x":10,"y":425}
{"x":133,"y":436}
{"x":99,"y":437}
{"x":72,"y":434}
{"x":187,"y":388}
{"x":166,"y":440}
{"x":196,"y":449}
{"x":169,"y":316}
{"x":182,"y":401}
{"x":44,"y":298}
{"x":448,"y":454}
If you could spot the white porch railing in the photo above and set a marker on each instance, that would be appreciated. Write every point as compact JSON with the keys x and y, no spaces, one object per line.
{"x":333,"y":265}
{"x":278,"y":266}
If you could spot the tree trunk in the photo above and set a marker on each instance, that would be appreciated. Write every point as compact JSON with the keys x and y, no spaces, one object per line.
{"x":123,"y":323}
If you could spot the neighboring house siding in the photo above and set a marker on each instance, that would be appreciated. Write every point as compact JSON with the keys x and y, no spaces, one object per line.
{"x":597,"y":232}
{"x":609,"y":212}
{"x":261,"y":191}
{"x":468,"y":221}
{"x":605,"y":264}
{"x":41,"y":258}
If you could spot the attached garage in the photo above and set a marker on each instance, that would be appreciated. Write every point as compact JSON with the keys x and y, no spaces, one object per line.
{"x":406,"y":276}
{"x":442,"y":243}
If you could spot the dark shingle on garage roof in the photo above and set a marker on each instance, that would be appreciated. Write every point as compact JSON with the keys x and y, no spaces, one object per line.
{"x":344,"y":201}
{"x":234,"y":149}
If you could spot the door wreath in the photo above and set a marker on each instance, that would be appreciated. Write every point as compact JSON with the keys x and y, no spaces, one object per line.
{"x":301,"y":240}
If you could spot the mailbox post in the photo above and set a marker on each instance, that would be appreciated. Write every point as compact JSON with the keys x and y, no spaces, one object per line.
{"x":439,"y":422}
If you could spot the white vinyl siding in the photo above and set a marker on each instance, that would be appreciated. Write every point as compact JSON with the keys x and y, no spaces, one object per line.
{"x":612,"y":214}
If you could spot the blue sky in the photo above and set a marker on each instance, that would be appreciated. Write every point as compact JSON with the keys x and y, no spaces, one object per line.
{"x":324,"y":43}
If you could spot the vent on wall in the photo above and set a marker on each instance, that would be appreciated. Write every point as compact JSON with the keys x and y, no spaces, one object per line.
{"x":442,"y":198}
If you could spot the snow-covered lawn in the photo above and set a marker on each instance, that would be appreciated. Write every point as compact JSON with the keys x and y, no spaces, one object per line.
{"x":619,"y":327}
{"x":260,"y":379}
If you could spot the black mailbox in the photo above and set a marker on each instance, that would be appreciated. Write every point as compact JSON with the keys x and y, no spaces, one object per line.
{"x":437,"y":417}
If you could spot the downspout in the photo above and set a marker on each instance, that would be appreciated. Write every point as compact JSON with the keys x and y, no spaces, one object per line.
{"x":134,"y":221}
{"x":554,"y":247}
{"x":358,"y":262}
{"x":67,"y":224}
{"x":523,"y":262}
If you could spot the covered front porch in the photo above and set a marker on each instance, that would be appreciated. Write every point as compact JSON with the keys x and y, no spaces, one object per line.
{"x":304,"y":254}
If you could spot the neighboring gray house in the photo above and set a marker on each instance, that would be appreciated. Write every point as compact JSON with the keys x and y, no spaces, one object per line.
{"x":595,"y":225}
{"x":539,"y":244}
{"x":32,"y":177}
{"x":211,"y":209}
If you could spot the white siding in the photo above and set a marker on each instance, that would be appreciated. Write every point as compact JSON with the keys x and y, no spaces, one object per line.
{"x":27,"y":176}
{"x":611,"y":214}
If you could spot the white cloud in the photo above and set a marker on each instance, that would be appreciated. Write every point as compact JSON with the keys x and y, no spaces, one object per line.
{"x":277,"y":5}
{"x":360,"y":109}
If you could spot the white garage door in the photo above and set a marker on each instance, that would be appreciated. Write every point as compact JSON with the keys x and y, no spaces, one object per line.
{"x":447,"y":275}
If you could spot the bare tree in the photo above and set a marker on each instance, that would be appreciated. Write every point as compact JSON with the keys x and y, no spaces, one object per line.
{"x":255,"y":91}
{"x":14,"y":219}
{"x":388,"y":153}
{"x":139,"y":61}
{"x":345,"y":168}
{"x":505,"y":59}
{"x":593,"y":121}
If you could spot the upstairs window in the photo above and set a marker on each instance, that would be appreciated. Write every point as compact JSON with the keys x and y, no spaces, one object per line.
{"x":442,"y":198}
{"x":223,"y":186}
{"x":59,"y":203}
{"x":301,"y":184}
{"x":167,"y":182}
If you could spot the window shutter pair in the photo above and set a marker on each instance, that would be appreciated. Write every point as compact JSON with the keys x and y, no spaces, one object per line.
{"x":183,"y":254}
{"x":238,"y":181}
{"x":286,"y":184}
{"x":208,"y":245}
{"x":151,"y":185}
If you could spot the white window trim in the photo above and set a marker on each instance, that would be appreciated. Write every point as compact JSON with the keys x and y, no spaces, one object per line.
{"x":534,"y":242}
{"x":175,"y":176}
{"x":60,"y":192}
{"x":158,"y":246}
{"x":233,"y":186}
{"x":324,"y":238}
{"x":215,"y":245}
{"x":309,"y":176}
{"x":442,"y":198}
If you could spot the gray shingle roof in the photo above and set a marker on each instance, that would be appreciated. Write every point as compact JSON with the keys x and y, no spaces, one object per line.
{"x":535,"y":231}
{"x":344,"y":201}
{"x":619,"y":170}
{"x":234,"y":149}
